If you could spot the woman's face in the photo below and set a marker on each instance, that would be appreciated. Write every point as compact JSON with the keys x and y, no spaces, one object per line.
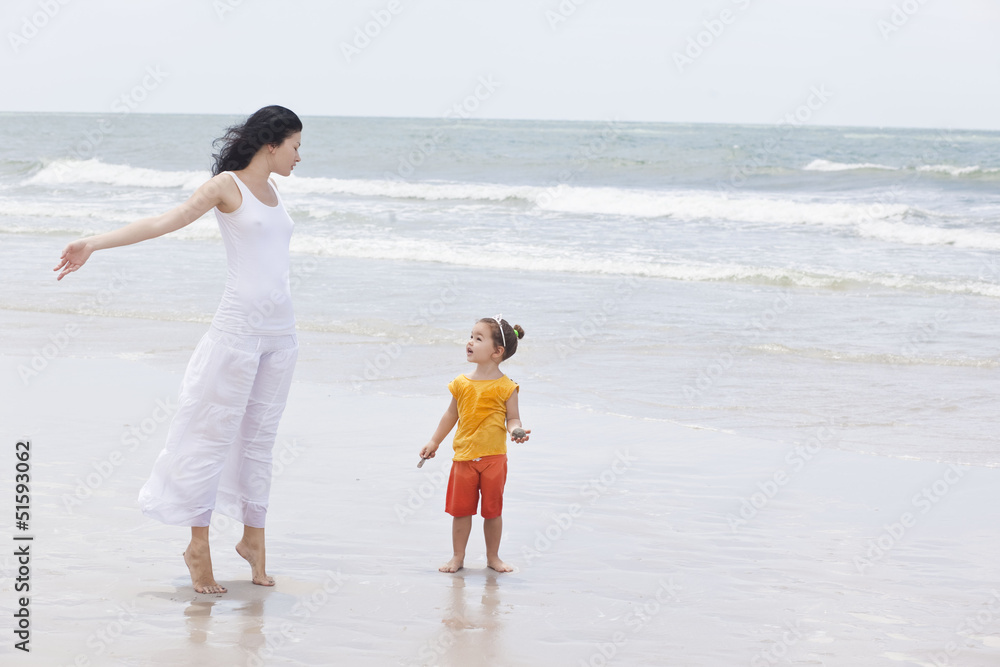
{"x":282,"y":158}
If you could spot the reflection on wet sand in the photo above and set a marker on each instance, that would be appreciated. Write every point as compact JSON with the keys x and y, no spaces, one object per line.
{"x":251,"y":628}
{"x":474,"y":631}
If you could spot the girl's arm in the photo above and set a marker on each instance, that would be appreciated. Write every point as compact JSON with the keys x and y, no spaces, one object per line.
{"x":514,"y":419}
{"x":211,"y":194}
{"x":447,"y":423}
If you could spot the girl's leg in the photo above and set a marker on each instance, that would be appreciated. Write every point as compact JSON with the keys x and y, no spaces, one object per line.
{"x":461,"y":528}
{"x":494,"y":477}
{"x":251,"y":547}
{"x":493,"y":530}
{"x":199,"y":561}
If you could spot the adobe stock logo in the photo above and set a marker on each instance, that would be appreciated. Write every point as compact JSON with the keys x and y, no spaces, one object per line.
{"x":363,"y":37}
{"x":32,"y":25}
{"x":712,"y":30}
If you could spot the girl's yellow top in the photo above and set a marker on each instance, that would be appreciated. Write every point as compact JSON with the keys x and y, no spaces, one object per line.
{"x":482,"y":416}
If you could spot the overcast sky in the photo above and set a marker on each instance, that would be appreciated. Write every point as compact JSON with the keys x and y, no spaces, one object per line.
{"x":904,"y":63}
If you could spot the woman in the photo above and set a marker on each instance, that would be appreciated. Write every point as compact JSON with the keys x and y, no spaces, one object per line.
{"x":218,"y":449}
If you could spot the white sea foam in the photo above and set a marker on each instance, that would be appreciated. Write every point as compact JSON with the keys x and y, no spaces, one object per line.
{"x":951,"y":170}
{"x":899,"y":232}
{"x":69,"y":210}
{"x":397,"y":189}
{"x":637,"y":203}
{"x":67,"y":172}
{"x":685,"y":205}
{"x":698,"y":205}
{"x":827,"y":165}
{"x":528,"y":258}
{"x":884,"y":222}
{"x":75,"y":217}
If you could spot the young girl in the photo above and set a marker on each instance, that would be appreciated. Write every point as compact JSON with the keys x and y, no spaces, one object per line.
{"x":235,"y":386}
{"x":484,"y":405}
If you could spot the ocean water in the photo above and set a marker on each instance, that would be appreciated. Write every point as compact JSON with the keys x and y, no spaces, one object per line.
{"x":763,"y":280}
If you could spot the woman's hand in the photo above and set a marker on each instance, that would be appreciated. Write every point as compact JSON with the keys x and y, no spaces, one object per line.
{"x":220,"y":189}
{"x":73,"y":257}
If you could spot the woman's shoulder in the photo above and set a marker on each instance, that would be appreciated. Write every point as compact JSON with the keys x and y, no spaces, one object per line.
{"x":226,"y":191}
{"x":224,"y":178}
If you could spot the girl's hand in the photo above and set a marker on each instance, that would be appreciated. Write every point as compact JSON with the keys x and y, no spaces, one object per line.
{"x":73,"y":257}
{"x":519,"y":435}
{"x":428,"y":451}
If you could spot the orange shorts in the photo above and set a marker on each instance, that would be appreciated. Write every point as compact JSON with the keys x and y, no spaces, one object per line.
{"x":469,"y":479}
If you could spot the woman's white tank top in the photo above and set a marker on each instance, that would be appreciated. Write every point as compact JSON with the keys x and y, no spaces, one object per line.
{"x":257,"y":299}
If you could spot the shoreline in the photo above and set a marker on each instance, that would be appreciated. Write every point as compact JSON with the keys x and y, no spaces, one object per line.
{"x":44,"y":338}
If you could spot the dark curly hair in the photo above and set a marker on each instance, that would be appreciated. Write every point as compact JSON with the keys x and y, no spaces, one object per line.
{"x":511,"y":334}
{"x":269,"y":126}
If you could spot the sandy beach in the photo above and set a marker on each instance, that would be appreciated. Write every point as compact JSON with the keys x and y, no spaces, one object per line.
{"x":752,"y":250}
{"x":654,"y":544}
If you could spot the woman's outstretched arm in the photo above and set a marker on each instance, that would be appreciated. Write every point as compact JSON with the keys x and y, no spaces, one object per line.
{"x":220,"y":190}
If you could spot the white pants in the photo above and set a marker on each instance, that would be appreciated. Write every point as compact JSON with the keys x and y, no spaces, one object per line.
{"x":218,"y":450}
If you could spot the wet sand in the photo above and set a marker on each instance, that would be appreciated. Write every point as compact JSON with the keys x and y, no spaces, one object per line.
{"x":635,"y":542}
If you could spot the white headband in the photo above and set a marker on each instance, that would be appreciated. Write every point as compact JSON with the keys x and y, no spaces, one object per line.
{"x":499,"y":317}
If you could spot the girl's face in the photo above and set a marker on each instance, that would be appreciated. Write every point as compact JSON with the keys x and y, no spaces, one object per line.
{"x":283,"y":157}
{"x":480,"y":348}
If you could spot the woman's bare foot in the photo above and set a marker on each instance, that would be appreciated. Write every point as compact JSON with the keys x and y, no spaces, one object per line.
{"x":198,"y":558}
{"x":454,"y":565}
{"x":499,"y":565}
{"x":251,"y":548}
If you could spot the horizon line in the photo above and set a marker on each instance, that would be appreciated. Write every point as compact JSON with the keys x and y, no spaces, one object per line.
{"x":524,"y":120}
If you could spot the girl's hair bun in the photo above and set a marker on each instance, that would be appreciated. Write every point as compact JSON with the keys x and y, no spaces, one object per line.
{"x":519,"y":330}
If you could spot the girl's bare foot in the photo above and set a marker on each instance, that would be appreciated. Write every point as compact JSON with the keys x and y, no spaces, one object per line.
{"x":493,"y":530}
{"x":253,"y":552}
{"x":454,"y":565}
{"x":198,"y":558}
{"x":499,"y":565}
